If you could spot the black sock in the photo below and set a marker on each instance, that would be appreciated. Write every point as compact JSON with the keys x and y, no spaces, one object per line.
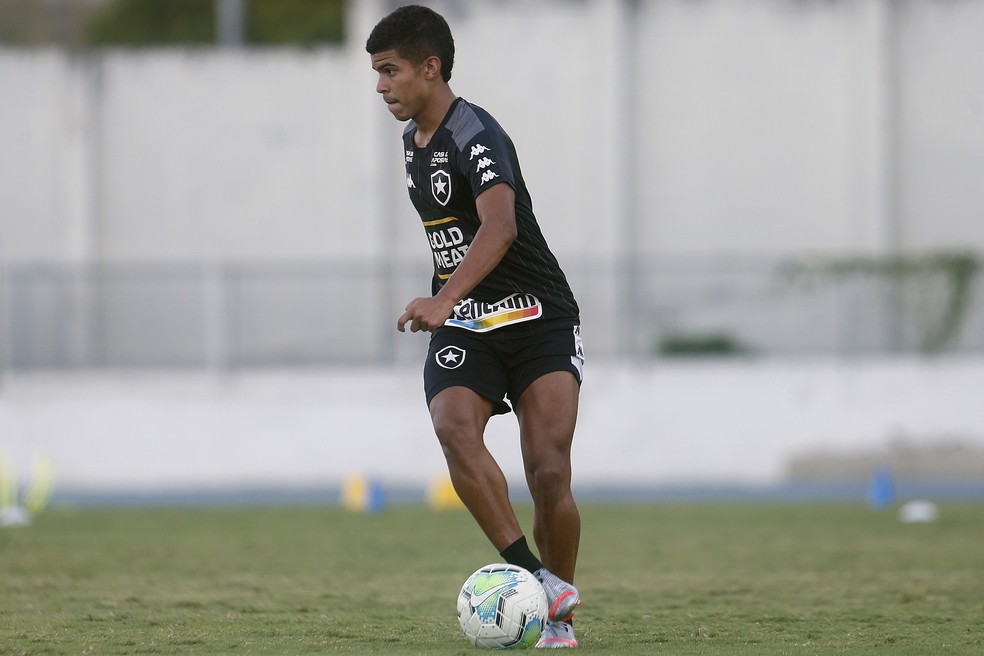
{"x":518,"y":553}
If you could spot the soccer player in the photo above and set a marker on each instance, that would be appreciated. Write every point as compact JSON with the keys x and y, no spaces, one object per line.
{"x":503,"y":320}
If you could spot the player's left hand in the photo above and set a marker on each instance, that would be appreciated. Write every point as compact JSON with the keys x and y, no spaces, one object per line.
{"x":427,"y":313}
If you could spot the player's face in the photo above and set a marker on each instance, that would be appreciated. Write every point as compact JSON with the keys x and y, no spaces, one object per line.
{"x":402,"y":85}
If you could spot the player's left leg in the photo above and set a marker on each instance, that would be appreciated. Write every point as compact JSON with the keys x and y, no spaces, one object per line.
{"x":547,"y":412}
{"x":557,"y":635}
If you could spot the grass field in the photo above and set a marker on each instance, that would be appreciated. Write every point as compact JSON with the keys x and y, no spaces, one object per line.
{"x":657,"y":579}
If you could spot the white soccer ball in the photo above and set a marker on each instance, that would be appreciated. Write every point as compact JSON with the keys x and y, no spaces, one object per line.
{"x":502,"y":607}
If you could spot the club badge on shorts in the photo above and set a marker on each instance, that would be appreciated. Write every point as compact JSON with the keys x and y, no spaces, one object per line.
{"x":450,"y":357}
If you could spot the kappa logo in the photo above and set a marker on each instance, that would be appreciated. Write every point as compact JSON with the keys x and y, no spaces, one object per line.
{"x":410,"y":184}
{"x":441,"y":186}
{"x":483,"y":163}
{"x":450,"y":357}
{"x":578,"y":358}
{"x":489,"y":175}
{"x":477,"y":150}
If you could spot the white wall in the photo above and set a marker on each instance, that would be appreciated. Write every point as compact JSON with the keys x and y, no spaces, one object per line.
{"x":45,"y":169}
{"x":941,"y":120}
{"x":219,"y":155}
{"x":724,"y":126}
{"x":752,"y":126}
{"x":659,"y":424}
{"x":749,"y":120}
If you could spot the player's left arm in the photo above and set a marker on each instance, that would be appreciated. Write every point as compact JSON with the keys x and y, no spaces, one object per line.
{"x":497,"y":213}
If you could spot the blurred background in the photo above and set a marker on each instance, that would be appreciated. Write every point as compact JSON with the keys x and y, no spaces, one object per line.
{"x":769,"y":210}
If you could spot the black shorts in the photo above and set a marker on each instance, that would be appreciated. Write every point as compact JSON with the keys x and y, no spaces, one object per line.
{"x":499,"y":367}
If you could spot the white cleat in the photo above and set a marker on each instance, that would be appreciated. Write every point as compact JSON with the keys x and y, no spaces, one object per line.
{"x":562,"y":597}
{"x":557,"y":635}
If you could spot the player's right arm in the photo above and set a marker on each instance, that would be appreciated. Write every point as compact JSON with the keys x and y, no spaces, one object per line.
{"x":497,"y":213}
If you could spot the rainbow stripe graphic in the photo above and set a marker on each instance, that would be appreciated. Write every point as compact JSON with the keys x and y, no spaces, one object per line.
{"x":500,"y":314}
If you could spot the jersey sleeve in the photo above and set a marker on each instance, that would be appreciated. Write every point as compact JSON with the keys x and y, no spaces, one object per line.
{"x":485,"y":161}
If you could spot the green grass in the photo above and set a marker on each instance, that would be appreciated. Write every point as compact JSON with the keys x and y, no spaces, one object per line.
{"x":656,"y":579}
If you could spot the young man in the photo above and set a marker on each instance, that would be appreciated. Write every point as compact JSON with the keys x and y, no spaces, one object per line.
{"x":503,"y":321}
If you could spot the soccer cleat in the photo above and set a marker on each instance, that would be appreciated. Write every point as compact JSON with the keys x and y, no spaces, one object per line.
{"x":562,"y":597}
{"x":557,"y":635}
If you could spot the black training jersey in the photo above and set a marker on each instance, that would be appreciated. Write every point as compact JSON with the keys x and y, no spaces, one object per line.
{"x":469,"y":153}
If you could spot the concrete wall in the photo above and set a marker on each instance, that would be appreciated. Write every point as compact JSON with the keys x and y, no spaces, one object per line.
{"x":678,"y":128}
{"x":757,"y":126}
{"x":671,"y":423}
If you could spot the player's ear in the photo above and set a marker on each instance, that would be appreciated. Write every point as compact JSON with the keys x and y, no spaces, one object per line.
{"x":432,"y":68}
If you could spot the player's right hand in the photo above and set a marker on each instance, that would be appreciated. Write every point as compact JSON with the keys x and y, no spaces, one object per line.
{"x":427,"y":313}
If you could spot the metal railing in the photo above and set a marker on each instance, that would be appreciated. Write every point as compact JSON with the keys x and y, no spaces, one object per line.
{"x":222,"y":315}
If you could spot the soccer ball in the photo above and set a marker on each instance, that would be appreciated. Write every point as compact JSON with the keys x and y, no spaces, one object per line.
{"x":502,"y":607}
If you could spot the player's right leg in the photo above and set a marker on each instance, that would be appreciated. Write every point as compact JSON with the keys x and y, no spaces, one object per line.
{"x":459,"y":416}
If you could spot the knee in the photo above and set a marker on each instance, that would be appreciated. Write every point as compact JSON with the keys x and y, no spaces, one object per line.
{"x":549,"y":480}
{"x":456,"y":436}
{"x":459,"y":416}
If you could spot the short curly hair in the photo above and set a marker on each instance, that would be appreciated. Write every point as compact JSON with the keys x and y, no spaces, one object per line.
{"x":416,"y":33}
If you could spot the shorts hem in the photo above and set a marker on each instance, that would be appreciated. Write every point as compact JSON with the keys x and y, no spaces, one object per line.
{"x":499,"y":407}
